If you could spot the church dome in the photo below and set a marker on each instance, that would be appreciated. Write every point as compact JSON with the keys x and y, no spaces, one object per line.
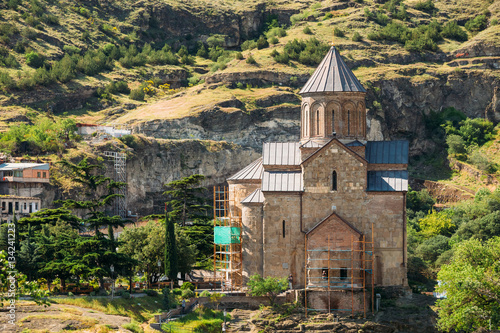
{"x":332,"y":75}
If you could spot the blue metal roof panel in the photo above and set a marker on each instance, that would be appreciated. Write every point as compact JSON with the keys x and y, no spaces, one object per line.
{"x":387,"y":152}
{"x":388,"y":181}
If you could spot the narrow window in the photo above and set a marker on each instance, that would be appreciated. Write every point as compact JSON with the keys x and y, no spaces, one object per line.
{"x":348,"y":122}
{"x":44,"y":175}
{"x":36,"y":206}
{"x":25,"y":206}
{"x":306,"y":130}
{"x":38,"y":174}
{"x":343,"y":273}
{"x":334,"y":181}
{"x":283,"y":228}
{"x":17,"y":206}
{"x":3,"y":205}
{"x":324,"y":273}
{"x":333,"y":121}
{"x":317,"y":122}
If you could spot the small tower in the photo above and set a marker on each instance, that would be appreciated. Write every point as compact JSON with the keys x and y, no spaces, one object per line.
{"x":333,"y":103}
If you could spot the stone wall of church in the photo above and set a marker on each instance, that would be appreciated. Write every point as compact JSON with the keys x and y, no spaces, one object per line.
{"x":284,"y":252}
{"x":385,"y":210}
{"x":239,"y":191}
{"x":252,"y":240}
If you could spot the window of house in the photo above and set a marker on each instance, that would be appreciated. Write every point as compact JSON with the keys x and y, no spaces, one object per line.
{"x":343,"y":273}
{"x":17,"y":206}
{"x":36,"y":206}
{"x":44,"y":175}
{"x":284,"y":228}
{"x":18,"y":173}
{"x":38,"y":174}
{"x":324,"y":273}
{"x":334,"y":181}
{"x":25,"y":205}
{"x":3,"y":205}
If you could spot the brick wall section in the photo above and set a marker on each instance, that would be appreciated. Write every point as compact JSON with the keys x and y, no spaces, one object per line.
{"x":341,"y":300}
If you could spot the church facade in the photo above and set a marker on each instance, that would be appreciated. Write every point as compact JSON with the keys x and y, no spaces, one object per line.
{"x":330,"y":190}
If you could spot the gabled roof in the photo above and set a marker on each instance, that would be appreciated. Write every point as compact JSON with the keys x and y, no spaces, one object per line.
{"x":332,"y":75}
{"x":387,"y":152}
{"x":255,"y":197}
{"x":20,"y":166}
{"x":311,"y":144}
{"x":341,"y":219}
{"x":253,"y":171}
{"x":281,"y":153}
{"x":388,"y":181}
{"x":359,"y":158}
{"x":282,"y":181}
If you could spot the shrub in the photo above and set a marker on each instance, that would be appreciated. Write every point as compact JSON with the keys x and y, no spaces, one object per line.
{"x":452,"y":30}
{"x":248,"y":45}
{"x":137,"y":94}
{"x":250,"y":60}
{"x":92,"y":293}
{"x":12,"y":4}
{"x":187,"y":293}
{"x":151,"y":292}
{"x":262,"y":43}
{"x":432,"y":248}
{"x":456,"y":145}
{"x":34,"y":59}
{"x":6,"y":82}
{"x":70,"y":294}
{"x":307,"y":30}
{"x":338,"y":33}
{"x":63,"y":70}
{"x":327,"y":16}
{"x":273,"y":40}
{"x":240,"y":85}
{"x":206,"y":293}
{"x":476,"y":24}
{"x":357,"y":37}
{"x":281,"y":58}
{"x":269,"y":287}
{"x":494,"y":22}
{"x":187,"y":285}
{"x":133,"y":327}
{"x":238,"y":56}
{"x":309,"y":52}
{"x":71,"y":49}
{"x":276,"y":31}
{"x":216,"y":40}
{"x":9,"y":61}
{"x":126,"y":295}
{"x":20,"y":46}
{"x":426,"y":6}
{"x":177,"y":291}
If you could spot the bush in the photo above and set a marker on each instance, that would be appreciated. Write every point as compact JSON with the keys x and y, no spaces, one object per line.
{"x":356,"y":37}
{"x":248,"y":45}
{"x":262,"y":43}
{"x":126,"y":295}
{"x":133,"y":327}
{"x":476,"y":24}
{"x":187,"y":285}
{"x":70,"y":294}
{"x":426,"y":6}
{"x":205,"y":293}
{"x":34,"y":59}
{"x":151,"y":292}
{"x":71,"y":49}
{"x":338,"y":33}
{"x":250,"y":60}
{"x":456,"y":145}
{"x":6,"y":82}
{"x":276,"y":32}
{"x":177,"y":291}
{"x":187,"y":293}
{"x":273,"y":40}
{"x":309,"y":52}
{"x":307,"y":30}
{"x":238,"y":56}
{"x":433,"y":247}
{"x":137,"y":94}
{"x":270,"y":287}
{"x":452,"y":30}
{"x":327,"y":16}
{"x":281,"y":58}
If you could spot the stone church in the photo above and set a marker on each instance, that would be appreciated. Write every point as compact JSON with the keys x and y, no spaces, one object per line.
{"x":331,"y":190}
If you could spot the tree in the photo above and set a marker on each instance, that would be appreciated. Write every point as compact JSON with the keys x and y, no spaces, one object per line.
{"x":171,"y":268}
{"x":437,"y":223}
{"x":472,"y":285}
{"x":186,"y":199}
{"x":270,"y":287}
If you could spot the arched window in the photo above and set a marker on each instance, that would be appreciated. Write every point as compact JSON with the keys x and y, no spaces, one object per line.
{"x":284,"y":228}
{"x":333,"y":121}
{"x":317,"y":122}
{"x":349,"y":122}
{"x":306,"y":122}
{"x":334,"y":181}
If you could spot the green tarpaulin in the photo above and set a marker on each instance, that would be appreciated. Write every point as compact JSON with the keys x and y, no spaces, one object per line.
{"x":226,"y":235}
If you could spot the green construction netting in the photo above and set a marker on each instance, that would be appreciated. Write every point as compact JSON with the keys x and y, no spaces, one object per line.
{"x":226,"y":235}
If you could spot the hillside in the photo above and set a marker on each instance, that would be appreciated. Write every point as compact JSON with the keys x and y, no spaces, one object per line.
{"x":186,"y":56}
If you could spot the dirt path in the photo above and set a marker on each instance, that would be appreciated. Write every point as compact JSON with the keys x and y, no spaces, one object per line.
{"x":58,"y":317}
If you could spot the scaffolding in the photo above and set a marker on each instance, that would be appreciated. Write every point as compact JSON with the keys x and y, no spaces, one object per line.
{"x":227,"y":242}
{"x":119,"y":175}
{"x":341,"y":268}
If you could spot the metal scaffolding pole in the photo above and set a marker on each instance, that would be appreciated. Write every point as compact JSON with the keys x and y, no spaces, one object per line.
{"x":119,"y":175}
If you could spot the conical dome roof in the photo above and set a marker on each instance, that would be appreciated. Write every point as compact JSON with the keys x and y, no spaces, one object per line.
{"x":332,"y":75}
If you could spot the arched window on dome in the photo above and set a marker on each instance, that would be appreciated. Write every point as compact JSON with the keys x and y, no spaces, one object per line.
{"x":334,"y":180}
{"x":333,"y":122}
{"x":317,"y":122}
{"x":349,"y":122}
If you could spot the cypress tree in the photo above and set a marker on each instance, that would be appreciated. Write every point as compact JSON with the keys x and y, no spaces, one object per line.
{"x":170,"y":249}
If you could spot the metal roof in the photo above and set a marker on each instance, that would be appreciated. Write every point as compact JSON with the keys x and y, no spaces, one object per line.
{"x":255,"y":197}
{"x":17,"y":166}
{"x":312,"y":144}
{"x":282,"y":181}
{"x":387,"y":152}
{"x":332,"y":75}
{"x":253,"y":171}
{"x":388,"y":181}
{"x":281,"y":153}
{"x":354,"y":143}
